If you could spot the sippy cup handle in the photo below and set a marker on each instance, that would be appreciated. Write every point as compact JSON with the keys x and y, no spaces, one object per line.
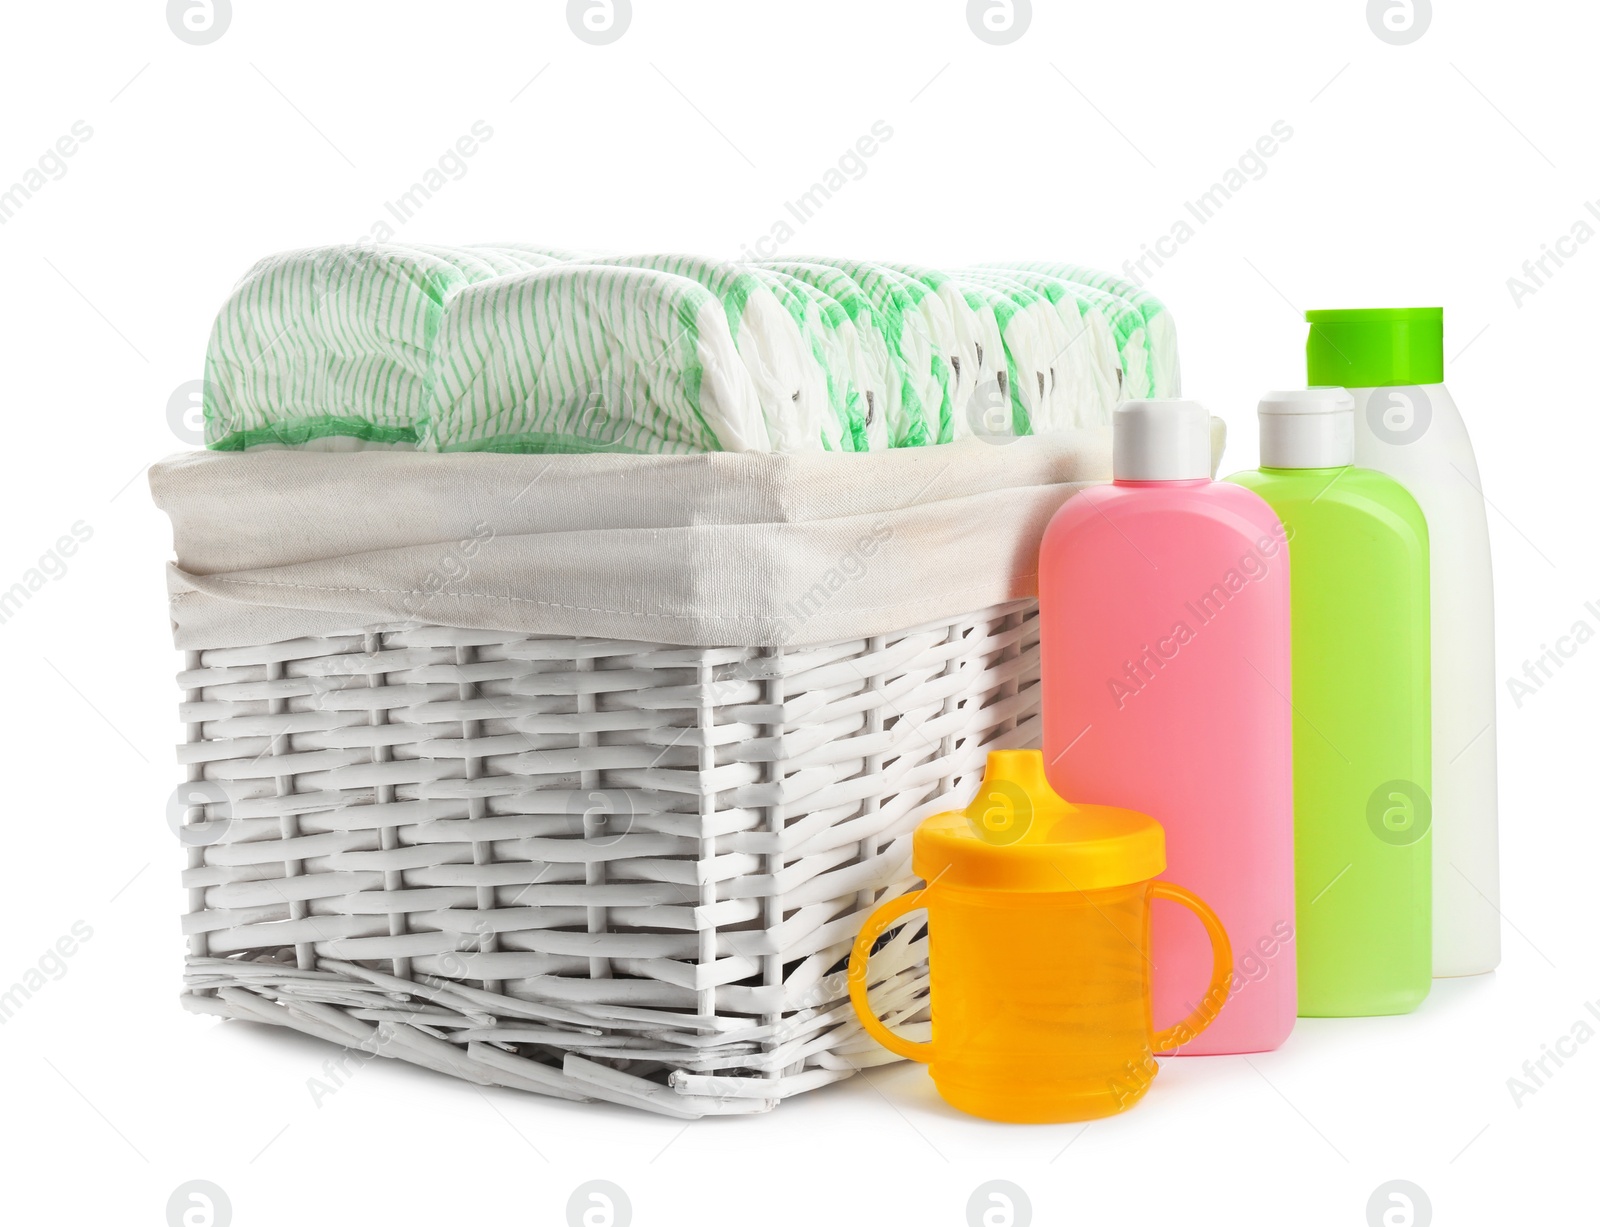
{"x":1221,"y":970}
{"x":870,"y":932}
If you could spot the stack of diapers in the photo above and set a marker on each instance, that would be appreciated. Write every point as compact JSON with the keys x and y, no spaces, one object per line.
{"x":518,"y":348}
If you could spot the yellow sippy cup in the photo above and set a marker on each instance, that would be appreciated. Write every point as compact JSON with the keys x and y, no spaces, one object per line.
{"x":1039,"y":951}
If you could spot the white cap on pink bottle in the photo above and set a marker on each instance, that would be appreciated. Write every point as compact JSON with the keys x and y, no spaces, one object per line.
{"x":1160,"y":440}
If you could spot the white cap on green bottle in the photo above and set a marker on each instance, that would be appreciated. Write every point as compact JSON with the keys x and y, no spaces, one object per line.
{"x":1307,"y":428}
{"x":1160,"y":440}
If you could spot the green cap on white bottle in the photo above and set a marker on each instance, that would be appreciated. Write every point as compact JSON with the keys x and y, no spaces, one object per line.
{"x":1379,"y":347}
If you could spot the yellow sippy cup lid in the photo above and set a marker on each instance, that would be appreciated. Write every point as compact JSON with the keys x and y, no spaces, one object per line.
{"x":1019,"y":835}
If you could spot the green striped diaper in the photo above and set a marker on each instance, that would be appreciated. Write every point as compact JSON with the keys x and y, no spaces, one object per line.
{"x":1078,"y":369}
{"x":1150,"y":356}
{"x":853,"y":354}
{"x":790,"y":383}
{"x":586,"y":358}
{"x":878,"y":337}
{"x":921,"y":412}
{"x":1112,"y":328}
{"x":829,"y":336}
{"x":973,"y":344}
{"x":1032,"y":335}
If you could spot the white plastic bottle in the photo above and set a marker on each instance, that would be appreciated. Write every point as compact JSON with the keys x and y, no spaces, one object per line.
{"x":1392,"y":360}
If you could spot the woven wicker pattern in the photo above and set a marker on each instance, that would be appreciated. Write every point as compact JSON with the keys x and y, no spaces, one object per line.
{"x":591,"y":869}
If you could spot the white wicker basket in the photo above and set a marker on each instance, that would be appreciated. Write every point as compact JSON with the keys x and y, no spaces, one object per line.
{"x":561,"y":854}
{"x":589,"y":868}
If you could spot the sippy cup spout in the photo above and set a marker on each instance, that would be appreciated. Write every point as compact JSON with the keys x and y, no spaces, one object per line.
{"x":1022,"y":768}
{"x":1015,"y":803}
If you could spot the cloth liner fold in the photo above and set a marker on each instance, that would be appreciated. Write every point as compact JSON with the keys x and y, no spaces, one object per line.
{"x":702,"y":550}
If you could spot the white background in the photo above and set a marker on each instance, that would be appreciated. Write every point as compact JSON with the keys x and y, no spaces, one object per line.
{"x":1415,"y":174}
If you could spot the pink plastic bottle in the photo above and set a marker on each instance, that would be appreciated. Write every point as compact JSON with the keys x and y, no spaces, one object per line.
{"x":1165,"y":638}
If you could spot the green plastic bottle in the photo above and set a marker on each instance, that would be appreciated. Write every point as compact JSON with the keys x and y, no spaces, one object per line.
{"x":1358,"y":581}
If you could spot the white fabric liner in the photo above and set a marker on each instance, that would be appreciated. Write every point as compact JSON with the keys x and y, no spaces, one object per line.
{"x":702,"y":550}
